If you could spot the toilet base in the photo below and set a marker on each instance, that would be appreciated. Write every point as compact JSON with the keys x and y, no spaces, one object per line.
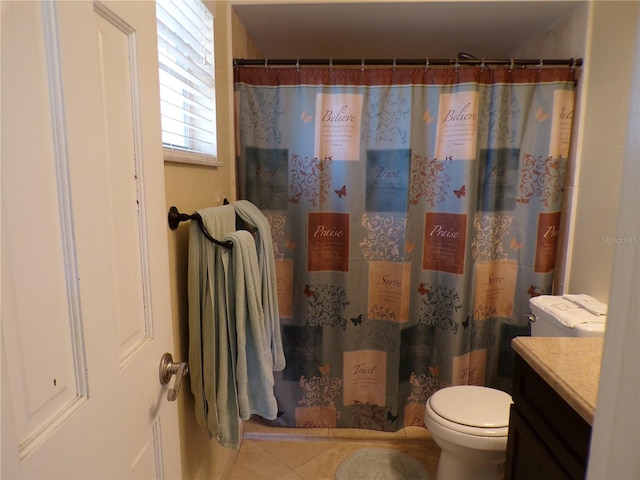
{"x":452,"y":467}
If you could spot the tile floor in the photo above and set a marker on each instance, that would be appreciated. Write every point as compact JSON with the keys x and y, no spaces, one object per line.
{"x":315,"y":453}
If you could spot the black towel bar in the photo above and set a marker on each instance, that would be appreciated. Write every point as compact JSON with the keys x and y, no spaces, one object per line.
{"x":175,"y":217}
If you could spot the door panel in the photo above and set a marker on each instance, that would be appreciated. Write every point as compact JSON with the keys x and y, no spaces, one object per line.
{"x":40,"y":304}
{"x":85,"y":290}
{"x":118,"y":72}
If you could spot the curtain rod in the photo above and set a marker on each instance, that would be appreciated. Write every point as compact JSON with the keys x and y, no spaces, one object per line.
{"x":423,"y":62}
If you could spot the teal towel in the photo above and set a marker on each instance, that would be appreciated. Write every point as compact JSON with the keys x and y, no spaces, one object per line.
{"x":211,"y":355}
{"x":248,"y":212}
{"x":254,"y":376}
{"x":234,"y":327}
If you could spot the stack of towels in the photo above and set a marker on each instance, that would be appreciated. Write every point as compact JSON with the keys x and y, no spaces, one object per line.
{"x":234,"y":327}
{"x":572,"y":309}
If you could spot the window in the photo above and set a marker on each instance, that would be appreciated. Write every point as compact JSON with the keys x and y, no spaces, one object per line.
{"x":187,"y":100}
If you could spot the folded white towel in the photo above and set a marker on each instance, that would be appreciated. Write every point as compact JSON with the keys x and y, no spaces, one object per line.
{"x":588,"y":303}
{"x":565,"y":311}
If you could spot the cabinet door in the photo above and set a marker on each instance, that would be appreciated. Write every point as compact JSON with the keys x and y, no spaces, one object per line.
{"x":559,"y":428}
{"x":528,"y":457}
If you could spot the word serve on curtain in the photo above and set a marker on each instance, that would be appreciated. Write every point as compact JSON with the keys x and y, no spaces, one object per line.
{"x":414,"y":212}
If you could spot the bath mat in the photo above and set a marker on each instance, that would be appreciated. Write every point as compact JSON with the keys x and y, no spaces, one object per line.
{"x":380,"y":464}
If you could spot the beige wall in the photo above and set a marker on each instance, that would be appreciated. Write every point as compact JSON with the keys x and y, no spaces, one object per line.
{"x":603,"y":34}
{"x":190,"y":187}
{"x":602,"y":136}
{"x":567,"y":38}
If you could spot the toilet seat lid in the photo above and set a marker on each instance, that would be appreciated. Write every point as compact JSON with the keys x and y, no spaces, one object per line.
{"x":473,"y":406}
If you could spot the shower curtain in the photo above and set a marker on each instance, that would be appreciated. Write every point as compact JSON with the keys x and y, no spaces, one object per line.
{"x":414,"y":212}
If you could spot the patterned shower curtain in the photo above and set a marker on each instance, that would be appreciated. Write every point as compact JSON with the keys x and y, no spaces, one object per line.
{"x":414,"y":212}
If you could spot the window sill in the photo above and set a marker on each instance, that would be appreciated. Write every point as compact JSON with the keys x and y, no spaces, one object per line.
{"x":191,"y":158}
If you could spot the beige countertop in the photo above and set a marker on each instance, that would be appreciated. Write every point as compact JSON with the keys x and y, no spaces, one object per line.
{"x":570,"y":365}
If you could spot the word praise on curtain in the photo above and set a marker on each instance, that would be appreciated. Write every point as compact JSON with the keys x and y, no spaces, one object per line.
{"x":414,"y":212}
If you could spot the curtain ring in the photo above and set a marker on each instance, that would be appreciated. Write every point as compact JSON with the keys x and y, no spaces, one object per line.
{"x":457,"y":64}
{"x":330,"y":64}
{"x":266,"y":63}
{"x":394,"y":64}
{"x":426,"y":64}
{"x":540,"y":64}
{"x":362,"y":66}
{"x":298,"y":64}
{"x":482,"y":65}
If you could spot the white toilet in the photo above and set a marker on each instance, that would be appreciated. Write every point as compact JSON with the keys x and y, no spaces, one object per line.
{"x":470,"y":425}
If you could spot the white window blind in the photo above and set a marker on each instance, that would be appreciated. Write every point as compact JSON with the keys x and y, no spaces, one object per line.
{"x":187,"y":100}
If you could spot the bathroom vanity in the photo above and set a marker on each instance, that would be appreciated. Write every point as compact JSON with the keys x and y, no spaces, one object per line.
{"x":554,"y":394}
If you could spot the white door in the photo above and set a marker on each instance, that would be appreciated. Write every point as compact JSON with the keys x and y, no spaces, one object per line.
{"x":86,"y":312}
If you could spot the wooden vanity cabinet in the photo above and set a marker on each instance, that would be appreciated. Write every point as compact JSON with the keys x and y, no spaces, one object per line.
{"x":548,"y":439}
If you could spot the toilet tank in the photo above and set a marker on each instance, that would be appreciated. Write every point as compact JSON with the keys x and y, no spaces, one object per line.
{"x":567,"y":316}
